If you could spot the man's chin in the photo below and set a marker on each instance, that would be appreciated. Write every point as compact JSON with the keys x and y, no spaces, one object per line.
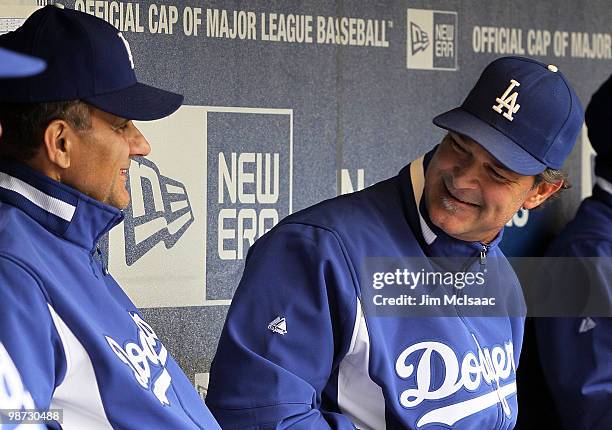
{"x":449,"y":222}
{"x":449,"y":227}
{"x":119,"y":203}
{"x":123,"y":205}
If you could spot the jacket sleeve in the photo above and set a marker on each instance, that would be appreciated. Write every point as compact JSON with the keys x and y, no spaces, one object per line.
{"x":263,"y":377}
{"x":29,"y":338}
{"x":576,"y":353}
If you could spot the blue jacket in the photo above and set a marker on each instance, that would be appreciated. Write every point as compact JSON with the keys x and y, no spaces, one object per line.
{"x":576,"y":353}
{"x":300,"y":350}
{"x":77,"y":340}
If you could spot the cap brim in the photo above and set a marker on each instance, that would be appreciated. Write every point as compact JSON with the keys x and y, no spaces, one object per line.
{"x":14,"y":65}
{"x":140,"y":102}
{"x":498,"y":144}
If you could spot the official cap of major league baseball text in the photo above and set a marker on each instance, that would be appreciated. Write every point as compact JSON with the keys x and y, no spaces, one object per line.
{"x":523,"y":112}
{"x":13,"y":65}
{"x":598,"y":119}
{"x":87,"y":59}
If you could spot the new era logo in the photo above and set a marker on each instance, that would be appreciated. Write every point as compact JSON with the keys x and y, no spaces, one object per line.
{"x":278,"y":325}
{"x":431,"y":40}
{"x":420,"y":39}
{"x":160,"y":210}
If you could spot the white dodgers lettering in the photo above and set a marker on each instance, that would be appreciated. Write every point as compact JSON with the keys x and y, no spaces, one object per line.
{"x":488,"y":366}
{"x":140,"y":356}
{"x":13,"y":395}
{"x":508,"y":101}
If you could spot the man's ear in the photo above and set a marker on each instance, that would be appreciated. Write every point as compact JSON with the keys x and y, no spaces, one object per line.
{"x":58,"y":143}
{"x":540,"y":193}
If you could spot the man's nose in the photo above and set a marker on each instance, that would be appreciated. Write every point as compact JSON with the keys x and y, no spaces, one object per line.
{"x":465,"y":175}
{"x":139,"y":146}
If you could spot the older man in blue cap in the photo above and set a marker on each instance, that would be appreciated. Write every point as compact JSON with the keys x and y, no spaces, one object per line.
{"x":77,"y":340}
{"x":308,"y":342}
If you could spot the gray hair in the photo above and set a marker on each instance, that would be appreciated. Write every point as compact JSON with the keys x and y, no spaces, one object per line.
{"x":553,"y":176}
{"x":24,"y":125}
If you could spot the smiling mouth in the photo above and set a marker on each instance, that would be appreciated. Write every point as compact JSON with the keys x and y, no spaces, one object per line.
{"x":456,"y":199}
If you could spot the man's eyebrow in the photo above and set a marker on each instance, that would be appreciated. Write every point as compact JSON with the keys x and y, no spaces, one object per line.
{"x":499,"y":165}
{"x":509,"y":174}
{"x":457,"y":137}
{"x":120,"y":122}
{"x":494,"y":162}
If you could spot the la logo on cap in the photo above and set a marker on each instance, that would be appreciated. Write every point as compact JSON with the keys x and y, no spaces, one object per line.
{"x":127,"y":48}
{"x":508,"y":101}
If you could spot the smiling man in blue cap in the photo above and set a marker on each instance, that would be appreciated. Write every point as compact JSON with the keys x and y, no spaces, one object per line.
{"x":78,"y":341}
{"x":308,"y":342}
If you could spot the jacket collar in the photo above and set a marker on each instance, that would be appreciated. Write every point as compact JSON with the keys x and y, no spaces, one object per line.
{"x":59,"y":208}
{"x":434,"y":241}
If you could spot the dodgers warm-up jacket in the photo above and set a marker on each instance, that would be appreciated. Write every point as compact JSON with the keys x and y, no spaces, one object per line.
{"x":576,"y":353}
{"x":77,"y":340}
{"x":299,"y":350}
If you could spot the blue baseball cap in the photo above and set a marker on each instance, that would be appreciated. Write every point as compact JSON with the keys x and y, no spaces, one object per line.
{"x":87,"y":59}
{"x":523,"y":112}
{"x":14,"y":65}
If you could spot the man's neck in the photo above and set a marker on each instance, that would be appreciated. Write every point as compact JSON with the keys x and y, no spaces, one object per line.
{"x":42,"y":164}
